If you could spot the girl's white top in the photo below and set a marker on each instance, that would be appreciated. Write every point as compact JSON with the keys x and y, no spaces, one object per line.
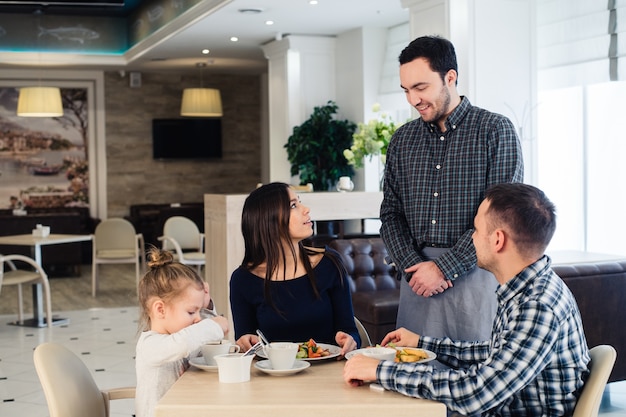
{"x":160,"y":359}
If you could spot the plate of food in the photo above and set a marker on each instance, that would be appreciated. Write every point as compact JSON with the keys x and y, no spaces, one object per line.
{"x":404,"y":354}
{"x":312,"y":351}
{"x":201,"y":364}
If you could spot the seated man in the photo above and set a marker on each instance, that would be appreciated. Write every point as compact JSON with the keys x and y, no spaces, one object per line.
{"x":536,"y":361}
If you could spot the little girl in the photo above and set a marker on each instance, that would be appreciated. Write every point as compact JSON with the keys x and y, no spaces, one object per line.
{"x":171,"y":296}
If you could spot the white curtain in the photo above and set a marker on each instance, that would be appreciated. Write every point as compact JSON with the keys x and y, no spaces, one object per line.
{"x":578,"y":42}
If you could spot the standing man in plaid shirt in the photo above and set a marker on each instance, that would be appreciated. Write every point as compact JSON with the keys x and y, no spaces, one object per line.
{"x":438,"y":168}
{"x":536,"y":360}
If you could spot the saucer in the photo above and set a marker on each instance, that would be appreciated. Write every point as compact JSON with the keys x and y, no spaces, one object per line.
{"x":201,"y":364}
{"x":265,"y":366}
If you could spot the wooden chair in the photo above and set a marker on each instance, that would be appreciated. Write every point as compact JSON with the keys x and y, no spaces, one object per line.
{"x":14,"y":276}
{"x":116,"y":242}
{"x":602,"y":361}
{"x":68,"y":385}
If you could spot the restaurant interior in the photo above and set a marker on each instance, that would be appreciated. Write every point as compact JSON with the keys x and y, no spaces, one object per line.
{"x":135,"y":59}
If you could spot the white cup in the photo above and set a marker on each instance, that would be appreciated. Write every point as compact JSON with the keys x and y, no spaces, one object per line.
{"x":282,"y":355}
{"x":345,"y":184}
{"x":233,"y":367}
{"x":221,"y":347}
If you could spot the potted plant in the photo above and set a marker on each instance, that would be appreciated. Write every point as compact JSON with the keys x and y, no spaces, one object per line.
{"x":315,"y":149}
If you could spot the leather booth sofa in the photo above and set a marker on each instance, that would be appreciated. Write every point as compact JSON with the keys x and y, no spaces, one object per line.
{"x":375,"y":289}
{"x":599,"y":289}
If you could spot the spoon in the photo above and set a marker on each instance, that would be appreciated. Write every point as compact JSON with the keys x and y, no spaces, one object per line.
{"x":253,"y":349}
{"x":262,"y":337}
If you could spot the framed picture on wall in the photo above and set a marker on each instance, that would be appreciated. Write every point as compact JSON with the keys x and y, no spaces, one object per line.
{"x":44,"y":161}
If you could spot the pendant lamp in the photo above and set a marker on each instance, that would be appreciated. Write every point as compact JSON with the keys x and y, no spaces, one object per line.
{"x":39,"y":102}
{"x":201,"y":102}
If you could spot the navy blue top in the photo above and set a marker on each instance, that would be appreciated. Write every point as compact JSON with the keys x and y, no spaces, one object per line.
{"x":303,"y":315}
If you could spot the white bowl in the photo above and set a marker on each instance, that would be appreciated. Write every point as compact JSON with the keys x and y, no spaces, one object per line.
{"x":380,"y":353}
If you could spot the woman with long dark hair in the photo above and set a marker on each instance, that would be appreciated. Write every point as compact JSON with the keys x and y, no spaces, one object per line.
{"x":288,"y":291}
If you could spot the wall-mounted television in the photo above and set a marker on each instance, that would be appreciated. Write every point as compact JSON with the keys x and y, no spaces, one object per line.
{"x":192,"y":138}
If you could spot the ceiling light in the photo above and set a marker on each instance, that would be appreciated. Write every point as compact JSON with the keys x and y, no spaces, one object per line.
{"x":39,"y":102}
{"x":234,"y":39}
{"x":201,"y":102}
{"x":313,"y":2}
{"x":205,"y":51}
{"x":269,"y":22}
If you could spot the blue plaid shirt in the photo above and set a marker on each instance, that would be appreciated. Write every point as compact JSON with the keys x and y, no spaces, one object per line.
{"x":434,"y":183}
{"x":534,"y":365}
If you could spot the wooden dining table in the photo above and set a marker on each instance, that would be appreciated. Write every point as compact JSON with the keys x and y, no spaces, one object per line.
{"x":317,"y":391}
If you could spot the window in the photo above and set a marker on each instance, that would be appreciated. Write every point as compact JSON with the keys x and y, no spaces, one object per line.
{"x":580,"y":146}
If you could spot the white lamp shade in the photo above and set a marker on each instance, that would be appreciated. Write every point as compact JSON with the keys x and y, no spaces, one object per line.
{"x":201,"y":102}
{"x":39,"y":102}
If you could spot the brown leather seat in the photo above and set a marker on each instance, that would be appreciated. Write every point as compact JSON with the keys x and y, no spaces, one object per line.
{"x":600,"y":291}
{"x":375,"y":290}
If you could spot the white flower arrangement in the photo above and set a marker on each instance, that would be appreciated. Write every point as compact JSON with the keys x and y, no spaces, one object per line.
{"x":370,"y":139}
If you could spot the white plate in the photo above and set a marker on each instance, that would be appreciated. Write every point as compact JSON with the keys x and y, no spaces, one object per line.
{"x":431,"y":355}
{"x":201,"y":364}
{"x":265,"y":366}
{"x":334,"y":352}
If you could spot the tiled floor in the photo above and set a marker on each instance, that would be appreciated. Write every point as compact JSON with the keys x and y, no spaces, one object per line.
{"x":105,"y":340}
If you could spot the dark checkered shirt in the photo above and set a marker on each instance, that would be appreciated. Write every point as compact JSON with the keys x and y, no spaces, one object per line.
{"x":434,"y":183}
{"x":535,"y":364}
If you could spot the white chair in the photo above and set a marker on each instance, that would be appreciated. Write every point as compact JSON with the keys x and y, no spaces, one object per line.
{"x":68,"y":385}
{"x":14,"y":276}
{"x":365,"y":337}
{"x":116,"y":242}
{"x":182,"y":237}
{"x":602,"y":361}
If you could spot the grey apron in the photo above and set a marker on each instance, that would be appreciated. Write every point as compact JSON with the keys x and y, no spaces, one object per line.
{"x":463,"y":312}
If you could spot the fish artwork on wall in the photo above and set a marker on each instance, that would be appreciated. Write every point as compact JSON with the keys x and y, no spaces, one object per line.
{"x":70,"y":33}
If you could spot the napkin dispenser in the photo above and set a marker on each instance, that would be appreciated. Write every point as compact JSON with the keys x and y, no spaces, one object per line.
{"x":41,"y":231}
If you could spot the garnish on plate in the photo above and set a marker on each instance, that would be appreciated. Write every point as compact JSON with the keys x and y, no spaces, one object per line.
{"x":310,"y":349}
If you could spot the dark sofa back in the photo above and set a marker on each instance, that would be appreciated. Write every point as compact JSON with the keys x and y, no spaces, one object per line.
{"x":600,"y":291}
{"x":375,"y":290}
{"x":364,"y":260}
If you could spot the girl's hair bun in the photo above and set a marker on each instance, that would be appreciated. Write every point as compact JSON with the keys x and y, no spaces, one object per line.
{"x":158,"y":258}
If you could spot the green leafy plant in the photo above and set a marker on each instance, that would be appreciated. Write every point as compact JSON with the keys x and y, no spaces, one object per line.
{"x":315,"y":149}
